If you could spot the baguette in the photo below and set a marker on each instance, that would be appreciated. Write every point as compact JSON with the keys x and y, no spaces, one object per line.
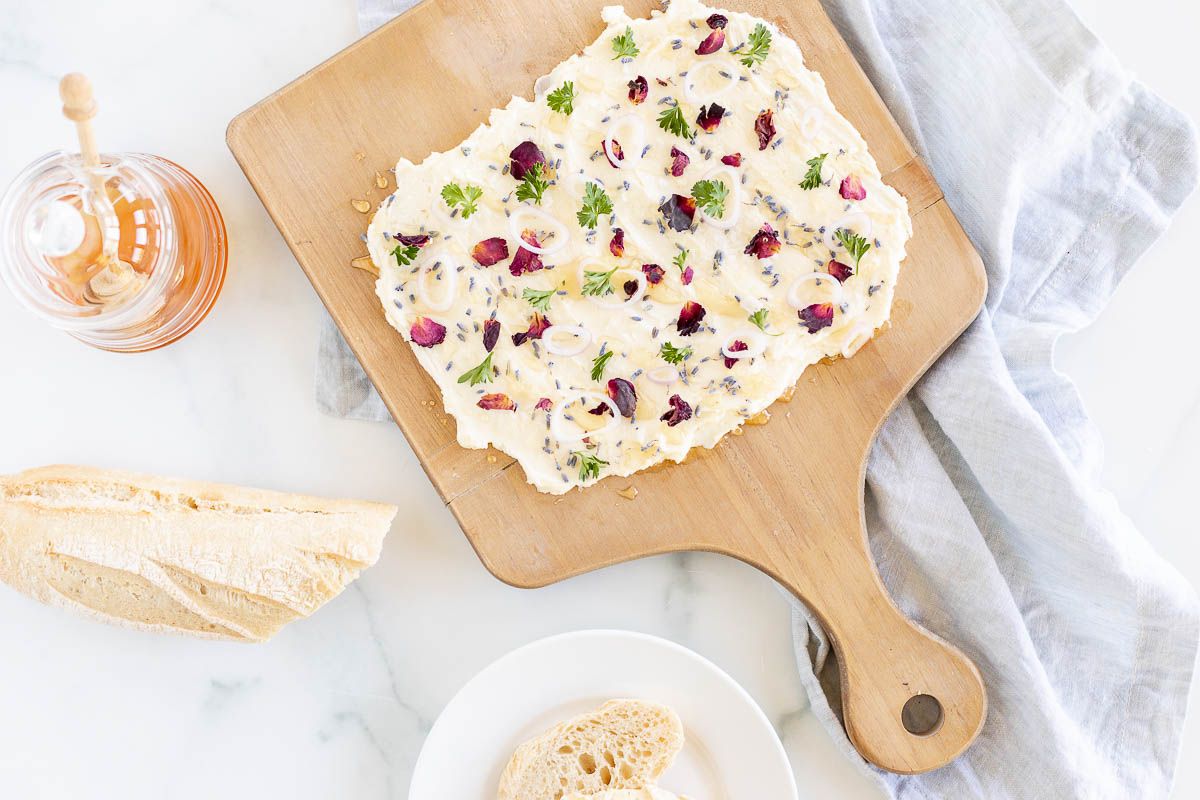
{"x":624,"y":744}
{"x":160,"y":554}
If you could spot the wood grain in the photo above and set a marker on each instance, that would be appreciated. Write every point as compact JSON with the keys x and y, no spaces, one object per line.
{"x":785,"y":497}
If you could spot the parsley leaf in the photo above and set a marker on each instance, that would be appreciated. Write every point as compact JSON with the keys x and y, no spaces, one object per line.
{"x":598,"y":283}
{"x":759,"y":318}
{"x":457,"y":196}
{"x":479,"y":374}
{"x":533,"y":185}
{"x":674,"y":355}
{"x":812,"y":178}
{"x":595,"y":202}
{"x":538,"y":298}
{"x":855,"y":245}
{"x":671,"y":120}
{"x":562,"y":99}
{"x":589,"y":465}
{"x":405,"y":255}
{"x":599,"y":363}
{"x":624,"y":46}
{"x":757,"y":48}
{"x":680,"y":260}
{"x":710,"y":196}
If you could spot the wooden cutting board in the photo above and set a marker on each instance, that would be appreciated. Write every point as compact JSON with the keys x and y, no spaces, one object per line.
{"x":786,"y":497}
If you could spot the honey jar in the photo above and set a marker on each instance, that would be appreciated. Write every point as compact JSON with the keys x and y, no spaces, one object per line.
{"x":126,"y":252}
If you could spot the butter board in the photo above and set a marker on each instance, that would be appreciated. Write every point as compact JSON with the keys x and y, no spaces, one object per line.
{"x":422,"y":83}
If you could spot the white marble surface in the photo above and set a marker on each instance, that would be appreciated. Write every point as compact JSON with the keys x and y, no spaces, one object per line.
{"x":338,"y":705}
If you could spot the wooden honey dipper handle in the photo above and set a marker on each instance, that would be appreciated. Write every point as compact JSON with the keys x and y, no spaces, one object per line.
{"x":79,"y":106}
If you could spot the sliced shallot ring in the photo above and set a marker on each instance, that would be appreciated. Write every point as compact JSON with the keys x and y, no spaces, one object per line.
{"x":582,"y":337}
{"x":863,"y":333}
{"x":450,"y":281}
{"x":734,"y":200}
{"x":689,"y":88}
{"x":515,"y":229}
{"x":542,"y":84}
{"x":819,"y":278}
{"x":625,"y":120}
{"x":855,"y":221}
{"x":756,"y":344}
{"x":810,"y":121}
{"x":584,"y":263}
{"x":556,"y":417}
{"x":664,"y":376}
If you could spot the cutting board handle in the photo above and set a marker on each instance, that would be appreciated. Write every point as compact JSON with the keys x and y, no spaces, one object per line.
{"x":911,"y":702}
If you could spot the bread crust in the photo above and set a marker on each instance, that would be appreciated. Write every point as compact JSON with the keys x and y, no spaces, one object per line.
{"x":163,"y":554}
{"x":624,"y":744}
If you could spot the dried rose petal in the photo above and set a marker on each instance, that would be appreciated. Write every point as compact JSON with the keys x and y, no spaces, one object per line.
{"x":537,"y":326}
{"x":526,"y":260}
{"x":732,"y":160}
{"x":498,"y":401}
{"x":490,"y":251}
{"x":686,"y":277}
{"x":738,"y":346}
{"x":717,"y":22}
{"x":491,"y":334}
{"x":679,"y":161}
{"x":764,"y":244}
{"x":816,"y":316}
{"x":679,"y":412}
{"x":617,"y":245}
{"x":543,"y":404}
{"x":623,"y":395}
{"x":689,"y":318}
{"x":419,"y":240}
{"x":630,"y":287}
{"x":764,"y":126}
{"x":617,"y":152}
{"x":712,"y":43}
{"x":654,"y":273}
{"x":710,"y":117}
{"x":679,"y":211}
{"x":852,"y":188}
{"x":427,"y":333}
{"x":637,"y":90}
{"x":523,"y":157}
{"x":839,"y":270}
{"x":600,"y":410}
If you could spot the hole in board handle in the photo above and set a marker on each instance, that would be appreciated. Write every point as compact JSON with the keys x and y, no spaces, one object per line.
{"x":922,"y":715}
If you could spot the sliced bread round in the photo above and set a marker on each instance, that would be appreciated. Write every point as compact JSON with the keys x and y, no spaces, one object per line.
{"x":624,"y":744}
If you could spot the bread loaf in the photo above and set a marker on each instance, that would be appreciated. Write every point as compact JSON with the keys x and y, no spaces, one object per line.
{"x":220,"y":562}
{"x":624,"y":744}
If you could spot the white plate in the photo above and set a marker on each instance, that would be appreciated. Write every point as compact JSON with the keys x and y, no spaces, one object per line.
{"x":732,"y":753}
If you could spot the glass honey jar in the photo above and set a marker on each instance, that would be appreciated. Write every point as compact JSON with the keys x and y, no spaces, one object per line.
{"x":131,"y":270}
{"x":126,"y":252}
